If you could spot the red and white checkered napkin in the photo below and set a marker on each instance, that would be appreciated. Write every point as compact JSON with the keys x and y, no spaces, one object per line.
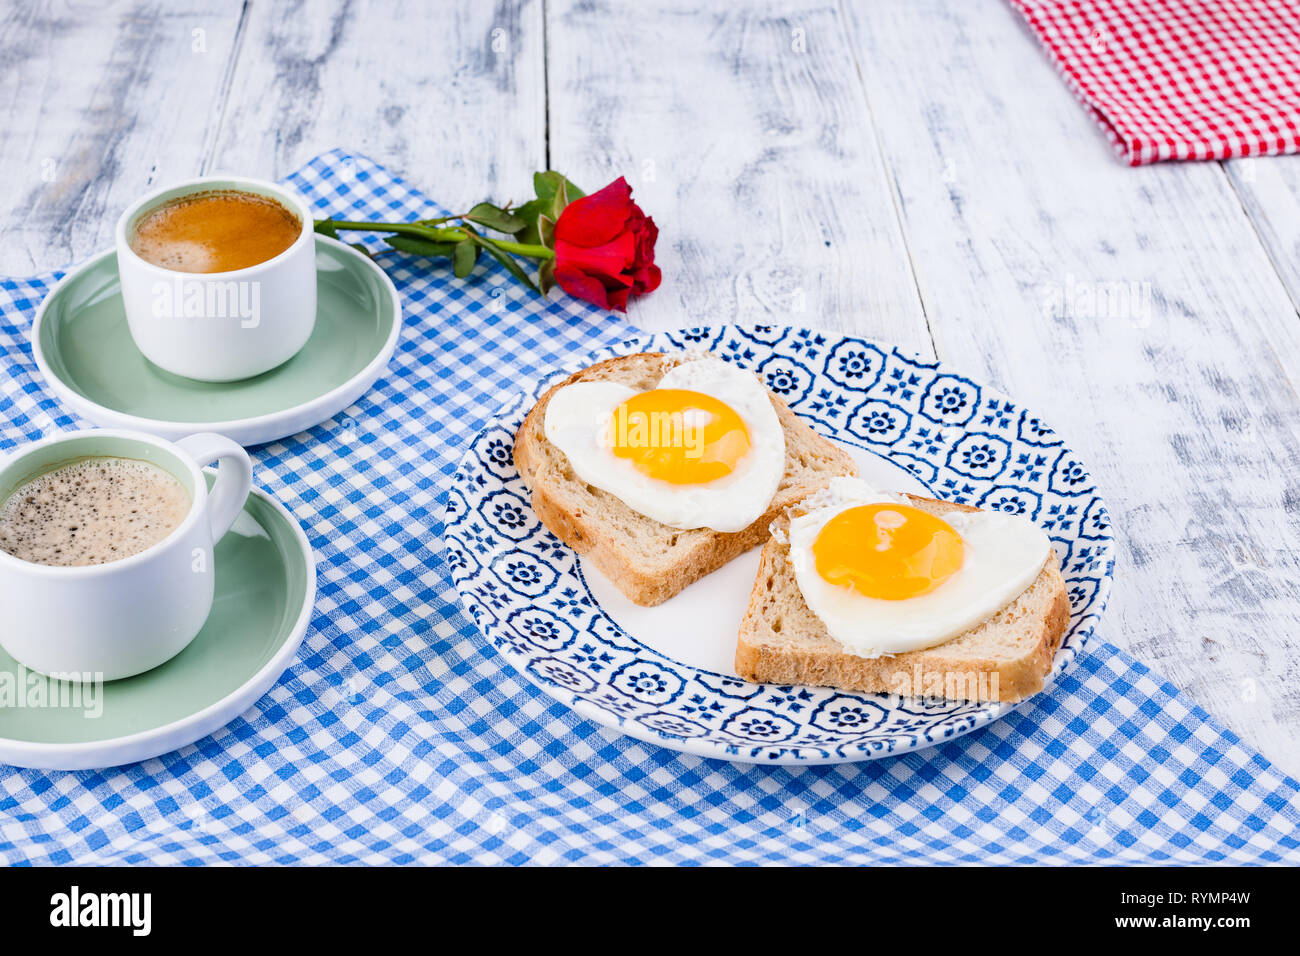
{"x":1180,"y":79}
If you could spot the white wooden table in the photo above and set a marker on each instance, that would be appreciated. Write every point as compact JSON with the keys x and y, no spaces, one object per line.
{"x":908,"y":169}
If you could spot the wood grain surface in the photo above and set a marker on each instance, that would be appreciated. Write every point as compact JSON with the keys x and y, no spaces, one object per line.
{"x":908,"y":169}
{"x":1135,"y":308}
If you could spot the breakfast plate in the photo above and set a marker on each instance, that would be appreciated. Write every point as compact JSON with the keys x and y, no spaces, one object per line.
{"x":665,"y":674}
{"x":84,"y":350}
{"x":265,"y":590}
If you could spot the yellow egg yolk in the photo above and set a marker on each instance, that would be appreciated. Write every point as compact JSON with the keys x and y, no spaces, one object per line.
{"x":887,"y":551}
{"x":679,"y":436}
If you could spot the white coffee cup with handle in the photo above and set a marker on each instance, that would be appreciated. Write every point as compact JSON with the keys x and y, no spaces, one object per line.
{"x":120,"y":618}
{"x":219,"y":326}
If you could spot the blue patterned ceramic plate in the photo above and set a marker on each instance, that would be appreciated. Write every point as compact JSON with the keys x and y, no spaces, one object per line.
{"x":664,"y":674}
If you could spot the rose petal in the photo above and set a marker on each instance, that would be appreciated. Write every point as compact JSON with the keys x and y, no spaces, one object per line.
{"x":596,"y":219}
{"x":618,"y":299}
{"x":582,"y":286}
{"x":609,"y":260}
{"x":647,"y":279}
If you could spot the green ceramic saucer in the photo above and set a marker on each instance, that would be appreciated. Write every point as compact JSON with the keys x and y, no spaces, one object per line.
{"x":266,"y":586}
{"x":84,"y":349}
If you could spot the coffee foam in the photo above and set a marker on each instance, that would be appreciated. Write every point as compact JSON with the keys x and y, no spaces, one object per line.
{"x":215,"y":231}
{"x":92,"y":511}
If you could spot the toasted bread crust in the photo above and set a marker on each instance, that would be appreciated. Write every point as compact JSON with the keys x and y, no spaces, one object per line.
{"x":695,"y":553}
{"x":934,"y":671}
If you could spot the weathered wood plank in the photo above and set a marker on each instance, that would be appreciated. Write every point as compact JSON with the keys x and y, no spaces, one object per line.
{"x":745,"y":133}
{"x":1269,"y":190}
{"x":1177,"y":383}
{"x":452,"y":95}
{"x":101,"y":102}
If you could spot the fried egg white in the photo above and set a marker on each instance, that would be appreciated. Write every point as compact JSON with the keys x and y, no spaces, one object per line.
{"x":886,"y":577}
{"x":703,"y":449}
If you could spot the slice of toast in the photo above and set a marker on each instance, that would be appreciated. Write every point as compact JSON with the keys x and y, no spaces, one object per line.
{"x":1005,"y":658}
{"x":647,"y":560}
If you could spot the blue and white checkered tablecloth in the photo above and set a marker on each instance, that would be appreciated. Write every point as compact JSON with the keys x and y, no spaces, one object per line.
{"x":401,"y":736}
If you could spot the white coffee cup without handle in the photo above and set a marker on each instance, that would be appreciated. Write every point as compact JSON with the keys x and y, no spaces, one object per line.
{"x":124,"y":617}
{"x":219,"y":326}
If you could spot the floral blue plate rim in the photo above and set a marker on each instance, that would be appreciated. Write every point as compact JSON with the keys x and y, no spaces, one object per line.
{"x":964,"y":441}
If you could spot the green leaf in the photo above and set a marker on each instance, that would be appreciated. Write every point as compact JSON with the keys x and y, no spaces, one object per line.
{"x":486,"y":214}
{"x":546,"y":184}
{"x":527,"y":214}
{"x":559,"y":203}
{"x":506,"y":260}
{"x":528,"y":211}
{"x":326,"y":228}
{"x":546,"y":275}
{"x":546,"y":231}
{"x":421,"y":247}
{"x":549,"y":183}
{"x":361,"y":249}
{"x":464,"y":257}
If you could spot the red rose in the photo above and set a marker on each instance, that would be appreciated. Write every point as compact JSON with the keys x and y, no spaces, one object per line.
{"x":605,"y":248}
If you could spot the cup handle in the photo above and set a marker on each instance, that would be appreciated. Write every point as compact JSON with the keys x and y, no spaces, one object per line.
{"x":234,"y":477}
